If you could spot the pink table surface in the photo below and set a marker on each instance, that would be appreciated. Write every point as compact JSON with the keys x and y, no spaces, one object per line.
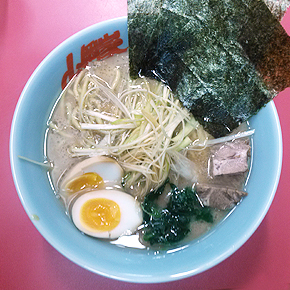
{"x":29,"y":30}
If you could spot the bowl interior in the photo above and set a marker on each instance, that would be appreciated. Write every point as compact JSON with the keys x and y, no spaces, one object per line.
{"x":135,"y":265}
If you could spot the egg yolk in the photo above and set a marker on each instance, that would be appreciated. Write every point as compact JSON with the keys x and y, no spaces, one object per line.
{"x":100,"y":214}
{"x":89,"y":180}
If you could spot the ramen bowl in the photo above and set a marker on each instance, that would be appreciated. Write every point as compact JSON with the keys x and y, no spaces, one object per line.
{"x":28,"y":135}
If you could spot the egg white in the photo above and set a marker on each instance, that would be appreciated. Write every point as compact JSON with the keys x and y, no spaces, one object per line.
{"x":131,"y":213}
{"x":106,"y":167}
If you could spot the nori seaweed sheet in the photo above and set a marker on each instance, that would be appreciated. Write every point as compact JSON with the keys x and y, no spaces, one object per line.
{"x":278,"y":7}
{"x":212,"y":54}
{"x":142,"y":19}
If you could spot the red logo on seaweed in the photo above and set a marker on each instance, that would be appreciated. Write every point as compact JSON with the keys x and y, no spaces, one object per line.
{"x":98,"y":49}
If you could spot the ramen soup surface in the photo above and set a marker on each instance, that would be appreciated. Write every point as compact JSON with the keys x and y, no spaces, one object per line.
{"x":120,"y":111}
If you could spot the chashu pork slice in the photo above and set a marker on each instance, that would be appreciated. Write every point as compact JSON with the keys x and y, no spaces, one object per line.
{"x":230,"y":158}
{"x":221,"y":198}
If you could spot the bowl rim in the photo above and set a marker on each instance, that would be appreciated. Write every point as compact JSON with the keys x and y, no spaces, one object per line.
{"x":132,"y":278}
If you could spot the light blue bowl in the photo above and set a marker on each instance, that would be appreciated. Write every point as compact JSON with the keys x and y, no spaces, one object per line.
{"x":135,"y":265}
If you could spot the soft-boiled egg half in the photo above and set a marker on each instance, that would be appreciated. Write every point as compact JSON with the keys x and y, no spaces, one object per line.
{"x":106,"y":213}
{"x":92,"y":173}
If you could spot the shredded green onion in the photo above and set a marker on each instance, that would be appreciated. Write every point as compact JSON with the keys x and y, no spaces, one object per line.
{"x":137,"y":125}
{"x":45,"y":164}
